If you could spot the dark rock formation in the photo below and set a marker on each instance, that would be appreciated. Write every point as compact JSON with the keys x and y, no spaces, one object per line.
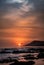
{"x":41,"y":55}
{"x":23,"y":63}
{"x":36,"y":43}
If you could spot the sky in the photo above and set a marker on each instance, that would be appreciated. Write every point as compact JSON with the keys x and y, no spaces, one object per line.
{"x":21,"y":21}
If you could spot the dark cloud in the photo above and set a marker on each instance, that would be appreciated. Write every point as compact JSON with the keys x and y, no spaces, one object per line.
{"x":38,"y":6}
{"x":7,"y":7}
{"x":38,"y":3}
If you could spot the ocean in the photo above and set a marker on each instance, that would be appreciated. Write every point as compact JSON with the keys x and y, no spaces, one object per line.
{"x":20,"y":57}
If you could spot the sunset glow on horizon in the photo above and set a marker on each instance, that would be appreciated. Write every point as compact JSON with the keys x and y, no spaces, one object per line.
{"x":19,"y":44}
{"x":22,"y":21}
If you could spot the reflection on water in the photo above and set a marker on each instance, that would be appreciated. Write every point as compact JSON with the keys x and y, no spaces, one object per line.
{"x":5,"y":64}
{"x":4,"y":56}
{"x":21,"y":57}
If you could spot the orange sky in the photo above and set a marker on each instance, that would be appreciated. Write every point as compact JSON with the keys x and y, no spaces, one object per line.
{"x":21,"y":23}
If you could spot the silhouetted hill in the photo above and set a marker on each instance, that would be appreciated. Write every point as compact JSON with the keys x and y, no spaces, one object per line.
{"x":36,"y":43}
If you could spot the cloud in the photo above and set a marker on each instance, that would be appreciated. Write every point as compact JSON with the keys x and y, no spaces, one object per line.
{"x":27,"y":7}
{"x":26,"y":17}
{"x":6,"y":8}
{"x":13,"y":1}
{"x":18,"y":8}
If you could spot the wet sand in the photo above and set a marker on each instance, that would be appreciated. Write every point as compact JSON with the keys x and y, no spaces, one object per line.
{"x":37,"y":62}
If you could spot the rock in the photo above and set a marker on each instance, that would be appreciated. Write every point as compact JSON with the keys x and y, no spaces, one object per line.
{"x":23,"y":63}
{"x":41,"y":55}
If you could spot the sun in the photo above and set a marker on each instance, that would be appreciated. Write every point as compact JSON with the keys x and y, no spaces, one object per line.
{"x":19,"y":44}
